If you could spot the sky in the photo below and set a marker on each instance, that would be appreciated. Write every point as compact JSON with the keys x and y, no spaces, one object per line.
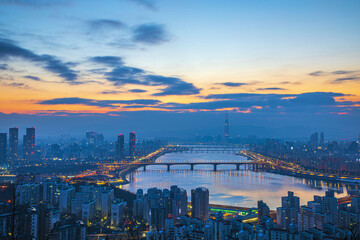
{"x":174,"y":68}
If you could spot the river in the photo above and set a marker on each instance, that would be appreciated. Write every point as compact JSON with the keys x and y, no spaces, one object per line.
{"x":227,"y":185}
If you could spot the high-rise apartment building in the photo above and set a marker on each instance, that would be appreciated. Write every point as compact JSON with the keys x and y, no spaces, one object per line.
{"x":287,"y":214}
{"x":132,"y":140}
{"x":29,"y":144}
{"x":13,"y":144}
{"x":200,"y":203}
{"x":3,"y":147}
{"x":120,"y":147}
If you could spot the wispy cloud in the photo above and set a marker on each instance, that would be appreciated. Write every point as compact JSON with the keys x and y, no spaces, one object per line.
{"x":346,"y":79}
{"x":105,"y":25}
{"x":233,"y":84}
{"x":137,"y":90}
{"x":271,"y":88}
{"x":32,"y":77}
{"x":122,"y":75}
{"x":8,"y":49}
{"x":99,"y":103}
{"x":150,"y":33}
{"x":150,"y":4}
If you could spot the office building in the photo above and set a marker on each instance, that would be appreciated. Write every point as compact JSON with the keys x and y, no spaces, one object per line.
{"x":132,"y":140}
{"x":3,"y":147}
{"x":13,"y":144}
{"x":29,"y":144}
{"x":200,"y":203}
{"x":120,"y":147}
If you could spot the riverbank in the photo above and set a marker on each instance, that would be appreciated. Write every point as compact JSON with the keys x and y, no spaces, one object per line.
{"x":296,"y":171}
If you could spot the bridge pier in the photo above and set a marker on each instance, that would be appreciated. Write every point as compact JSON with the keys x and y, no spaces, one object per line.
{"x":192,"y":167}
{"x":168,"y":168}
{"x":144,"y":168}
{"x":215,"y":167}
{"x":238,"y":167}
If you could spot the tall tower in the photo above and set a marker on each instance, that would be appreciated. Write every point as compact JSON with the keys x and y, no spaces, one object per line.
{"x":3,"y":147}
{"x":226,"y":135}
{"x":132,"y":140}
{"x":13,"y":144}
{"x":120,"y":151}
{"x":29,"y":144}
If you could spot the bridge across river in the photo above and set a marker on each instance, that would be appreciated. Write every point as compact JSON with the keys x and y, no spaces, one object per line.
{"x":251,"y":165}
{"x":210,"y":149}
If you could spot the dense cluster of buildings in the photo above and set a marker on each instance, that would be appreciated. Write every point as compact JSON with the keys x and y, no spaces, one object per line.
{"x":57,"y":210}
{"x":92,"y":147}
{"x":317,"y":154}
{"x":45,"y":210}
{"x":322,"y":218}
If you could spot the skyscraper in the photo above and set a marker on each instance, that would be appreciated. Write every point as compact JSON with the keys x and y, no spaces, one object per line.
{"x":120,"y":147}
{"x":322,"y":139}
{"x":13,"y":144}
{"x":226,"y":134}
{"x":132,"y":140}
{"x":200,"y":203}
{"x":29,"y":144}
{"x":314,"y":139}
{"x":3,"y":147}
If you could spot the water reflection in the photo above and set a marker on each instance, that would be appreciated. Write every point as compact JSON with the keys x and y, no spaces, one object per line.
{"x":229,"y":186}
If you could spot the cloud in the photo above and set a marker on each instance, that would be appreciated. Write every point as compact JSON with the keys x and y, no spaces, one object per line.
{"x":233,"y":84}
{"x":98,"y":103}
{"x":270,"y":88}
{"x":346,"y":79}
{"x":256,"y":101}
{"x":174,"y":86}
{"x":317,"y":73}
{"x":32,"y":78}
{"x":16,"y":85}
{"x":9,"y":49}
{"x":146,"y":3}
{"x":4,"y":66}
{"x":122,"y":75}
{"x":110,"y":61}
{"x":150,"y":33}
{"x":342,"y":72}
{"x":104,"y":25}
{"x":338,"y":72}
{"x":137,"y":90}
{"x":111,"y":92}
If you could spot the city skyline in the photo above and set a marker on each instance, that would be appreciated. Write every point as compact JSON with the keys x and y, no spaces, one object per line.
{"x":291,"y":66}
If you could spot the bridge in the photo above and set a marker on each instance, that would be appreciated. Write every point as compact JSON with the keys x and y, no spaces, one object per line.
{"x":251,"y":165}
{"x":210,"y":149}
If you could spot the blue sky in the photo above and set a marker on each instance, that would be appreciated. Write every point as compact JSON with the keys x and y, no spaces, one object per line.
{"x":278,"y":63}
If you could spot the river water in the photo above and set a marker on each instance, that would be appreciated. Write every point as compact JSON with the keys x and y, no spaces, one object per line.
{"x":227,"y":185}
